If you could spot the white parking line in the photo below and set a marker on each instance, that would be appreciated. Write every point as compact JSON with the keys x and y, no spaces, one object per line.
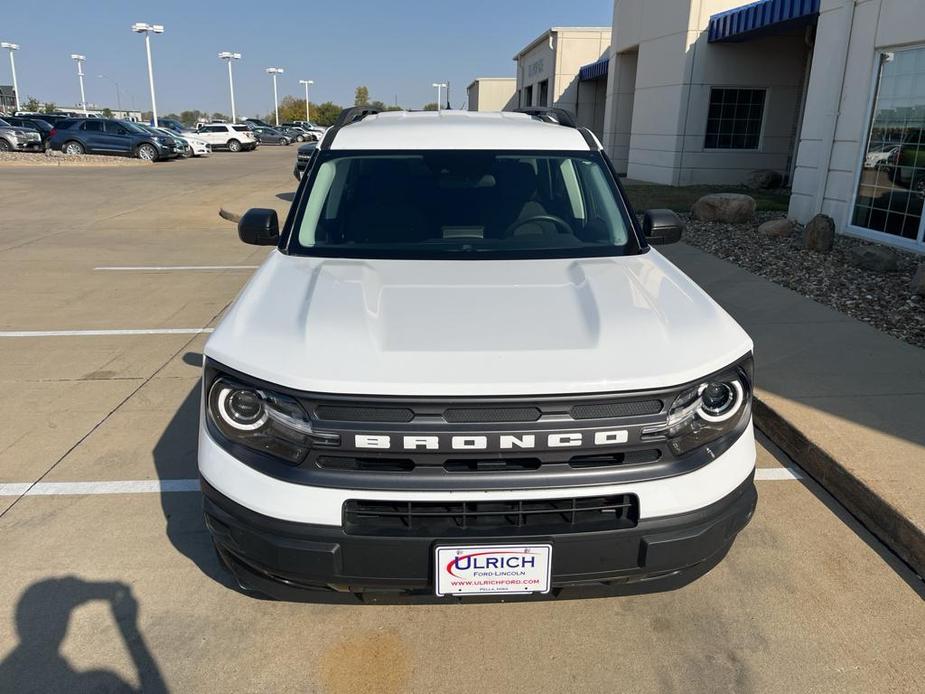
{"x":192,"y":485}
{"x":86,"y":333}
{"x":89,"y":488}
{"x":778,"y":473}
{"x":166,"y":268}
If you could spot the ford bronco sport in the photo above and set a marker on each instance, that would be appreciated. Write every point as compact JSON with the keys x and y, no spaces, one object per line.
{"x":465,"y":370}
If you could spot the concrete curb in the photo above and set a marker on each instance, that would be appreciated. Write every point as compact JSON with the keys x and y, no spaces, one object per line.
{"x":880,"y":517}
{"x":230,"y":216}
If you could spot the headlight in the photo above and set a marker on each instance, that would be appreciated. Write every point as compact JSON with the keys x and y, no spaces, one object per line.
{"x":262,"y":420}
{"x":709,"y":410}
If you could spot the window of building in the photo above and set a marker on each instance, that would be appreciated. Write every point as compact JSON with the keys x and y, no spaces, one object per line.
{"x":528,"y":96}
{"x":891,"y":184}
{"x":544,"y":93}
{"x":734,"y":119}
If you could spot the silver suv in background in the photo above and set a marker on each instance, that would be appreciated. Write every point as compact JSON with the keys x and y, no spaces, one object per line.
{"x":13,"y":139}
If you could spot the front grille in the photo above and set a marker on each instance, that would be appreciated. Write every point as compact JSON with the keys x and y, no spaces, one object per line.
{"x":338,"y":413}
{"x":473,"y":518}
{"x":607,"y":410}
{"x":474,"y":415}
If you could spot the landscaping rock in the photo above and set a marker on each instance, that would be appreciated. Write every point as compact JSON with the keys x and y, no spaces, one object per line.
{"x":777,"y":227}
{"x":819,"y":234}
{"x":873,"y":258}
{"x":764,"y":179}
{"x":918,"y":281}
{"x":731,"y":208}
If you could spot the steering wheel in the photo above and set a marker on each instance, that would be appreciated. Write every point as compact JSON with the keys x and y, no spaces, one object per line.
{"x":552,"y":219}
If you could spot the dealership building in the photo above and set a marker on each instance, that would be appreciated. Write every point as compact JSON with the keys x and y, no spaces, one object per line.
{"x":492,"y":94}
{"x":828,"y":93}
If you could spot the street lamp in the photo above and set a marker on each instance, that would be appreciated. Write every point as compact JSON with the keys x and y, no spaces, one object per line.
{"x":118,"y":95}
{"x":13,"y":47}
{"x":228,"y":57}
{"x":275,"y":71}
{"x":308,"y":115}
{"x":147,"y":30}
{"x":439,"y":86}
{"x":79,"y":59}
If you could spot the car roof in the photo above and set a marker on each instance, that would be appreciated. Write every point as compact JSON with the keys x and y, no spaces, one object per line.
{"x":456,"y":130}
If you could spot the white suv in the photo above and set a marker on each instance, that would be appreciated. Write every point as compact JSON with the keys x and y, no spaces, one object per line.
{"x":234,"y":138}
{"x":465,"y":370}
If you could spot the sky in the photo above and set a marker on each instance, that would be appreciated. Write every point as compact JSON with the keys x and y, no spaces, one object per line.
{"x":397,"y":48}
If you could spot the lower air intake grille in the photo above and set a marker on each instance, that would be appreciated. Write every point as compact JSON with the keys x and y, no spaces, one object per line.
{"x":472,"y":518}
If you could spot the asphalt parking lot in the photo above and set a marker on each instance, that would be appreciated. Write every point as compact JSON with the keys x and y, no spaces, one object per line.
{"x":115,"y":586}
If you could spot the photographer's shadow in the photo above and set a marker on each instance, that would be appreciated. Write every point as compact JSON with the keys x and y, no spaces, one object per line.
{"x":42,"y":616}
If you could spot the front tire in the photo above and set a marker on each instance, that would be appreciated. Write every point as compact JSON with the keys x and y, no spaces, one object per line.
{"x":234,"y":146}
{"x":146,"y":152}
{"x":73,"y":148}
{"x":5,"y":146}
{"x":286,"y":141}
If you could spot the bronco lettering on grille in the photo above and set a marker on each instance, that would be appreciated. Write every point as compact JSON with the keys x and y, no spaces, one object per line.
{"x":482,"y":442}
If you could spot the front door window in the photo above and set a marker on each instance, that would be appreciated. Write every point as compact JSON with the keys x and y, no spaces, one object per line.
{"x":892,"y":181}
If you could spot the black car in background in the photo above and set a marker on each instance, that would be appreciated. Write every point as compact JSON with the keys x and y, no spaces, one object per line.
{"x":110,"y":136}
{"x":43,"y":127}
{"x":303,"y":157}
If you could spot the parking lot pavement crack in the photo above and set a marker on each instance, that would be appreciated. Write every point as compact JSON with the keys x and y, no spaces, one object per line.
{"x":104,"y":419}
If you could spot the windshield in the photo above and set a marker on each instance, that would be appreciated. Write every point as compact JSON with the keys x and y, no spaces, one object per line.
{"x":461,"y":204}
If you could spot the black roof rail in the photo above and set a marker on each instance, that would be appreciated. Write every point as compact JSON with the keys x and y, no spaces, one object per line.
{"x":550,"y":114}
{"x":346,"y":117}
{"x":559,"y":116}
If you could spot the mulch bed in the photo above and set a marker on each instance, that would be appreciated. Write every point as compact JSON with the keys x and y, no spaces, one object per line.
{"x":884,"y":301}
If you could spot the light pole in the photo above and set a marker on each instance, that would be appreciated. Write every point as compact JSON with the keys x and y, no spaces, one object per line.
{"x":79,"y":59}
{"x":13,"y":47}
{"x":118,"y":96}
{"x":439,"y":86}
{"x":308,"y":113}
{"x":230,"y":57}
{"x":147,"y":30}
{"x":275,"y":71}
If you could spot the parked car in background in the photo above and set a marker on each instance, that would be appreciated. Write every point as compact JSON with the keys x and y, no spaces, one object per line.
{"x":234,"y":138}
{"x":182,"y":148}
{"x":16,"y":139}
{"x":110,"y":136}
{"x":271,"y":136}
{"x":318,"y":130}
{"x":294,"y":134}
{"x":257,"y":122}
{"x":31,"y":123}
{"x":303,"y":158}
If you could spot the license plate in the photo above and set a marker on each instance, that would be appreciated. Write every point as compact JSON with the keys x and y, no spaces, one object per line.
{"x":493,"y":569}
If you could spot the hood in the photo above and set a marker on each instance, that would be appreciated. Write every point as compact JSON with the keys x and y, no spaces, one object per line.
{"x":414,"y":327}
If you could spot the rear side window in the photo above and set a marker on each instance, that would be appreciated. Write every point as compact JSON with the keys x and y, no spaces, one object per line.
{"x":242,"y":128}
{"x":92,"y":126}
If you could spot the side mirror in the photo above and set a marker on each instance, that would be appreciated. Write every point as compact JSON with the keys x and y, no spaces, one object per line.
{"x":259,"y":227}
{"x":662,"y":227}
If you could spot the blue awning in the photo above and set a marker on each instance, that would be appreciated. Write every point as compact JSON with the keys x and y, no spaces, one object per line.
{"x":594,"y":71}
{"x":764,"y":16}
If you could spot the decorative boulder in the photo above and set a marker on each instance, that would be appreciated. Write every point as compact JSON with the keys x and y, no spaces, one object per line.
{"x":918,"y":281}
{"x":819,"y":234}
{"x":764,"y":179}
{"x":732,"y":208}
{"x":777,"y":227}
{"x":873,"y":258}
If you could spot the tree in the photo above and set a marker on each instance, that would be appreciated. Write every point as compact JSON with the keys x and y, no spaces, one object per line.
{"x":50,"y":107}
{"x":218,"y":115}
{"x":432,"y":106}
{"x":32,"y":104}
{"x":107,"y":112}
{"x":325,"y":114}
{"x":362,"y":97}
{"x":190,"y":118}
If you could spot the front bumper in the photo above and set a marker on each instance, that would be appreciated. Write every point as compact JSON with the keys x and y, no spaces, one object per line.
{"x":294,"y":561}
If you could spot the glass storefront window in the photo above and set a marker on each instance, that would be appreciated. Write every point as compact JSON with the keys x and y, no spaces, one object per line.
{"x":892,"y":181}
